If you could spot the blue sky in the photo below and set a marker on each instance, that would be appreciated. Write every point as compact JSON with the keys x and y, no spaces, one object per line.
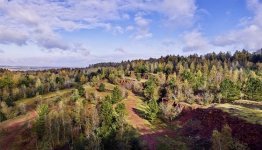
{"x":78,"y":33}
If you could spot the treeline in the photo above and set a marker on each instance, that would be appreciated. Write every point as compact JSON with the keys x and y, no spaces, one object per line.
{"x":215,"y":76}
{"x":206,"y":79}
{"x":18,"y":85}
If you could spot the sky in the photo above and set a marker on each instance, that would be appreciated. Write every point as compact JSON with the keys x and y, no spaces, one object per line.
{"x":76,"y":33}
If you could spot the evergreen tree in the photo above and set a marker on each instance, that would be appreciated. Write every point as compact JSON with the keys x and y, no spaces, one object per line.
{"x":101,"y":87}
{"x":42,"y":111}
{"x":253,"y":89}
{"x":116,"y":95}
{"x":152,"y":110}
{"x":229,"y":90}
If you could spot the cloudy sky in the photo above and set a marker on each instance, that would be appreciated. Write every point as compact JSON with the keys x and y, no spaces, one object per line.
{"x":76,"y":33}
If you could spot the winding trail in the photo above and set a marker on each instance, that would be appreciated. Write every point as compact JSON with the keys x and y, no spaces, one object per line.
{"x":148,"y":134}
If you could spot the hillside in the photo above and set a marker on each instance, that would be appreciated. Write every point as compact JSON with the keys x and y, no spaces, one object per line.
{"x":174,"y":102}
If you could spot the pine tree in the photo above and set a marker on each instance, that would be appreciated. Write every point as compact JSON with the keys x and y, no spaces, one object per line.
{"x":42,"y":111}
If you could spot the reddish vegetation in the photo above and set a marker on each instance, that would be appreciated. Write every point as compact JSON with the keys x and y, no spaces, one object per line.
{"x":206,"y":120}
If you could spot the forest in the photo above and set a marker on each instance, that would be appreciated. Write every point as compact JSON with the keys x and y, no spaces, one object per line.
{"x":173,"y":102}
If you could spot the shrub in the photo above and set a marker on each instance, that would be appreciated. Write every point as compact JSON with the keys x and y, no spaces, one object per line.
{"x":224,"y":140}
{"x":152,"y":110}
{"x":81,"y":90}
{"x":2,"y":117}
{"x":101,"y":87}
{"x":170,"y":112}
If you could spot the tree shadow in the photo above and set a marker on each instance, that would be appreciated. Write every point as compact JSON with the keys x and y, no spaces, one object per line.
{"x":140,"y":113}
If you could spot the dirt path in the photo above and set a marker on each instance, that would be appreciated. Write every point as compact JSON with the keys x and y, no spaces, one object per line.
{"x":12,"y":128}
{"x":149,"y":135}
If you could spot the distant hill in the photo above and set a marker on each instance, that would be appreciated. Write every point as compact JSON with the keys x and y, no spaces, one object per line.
{"x":27,"y":68}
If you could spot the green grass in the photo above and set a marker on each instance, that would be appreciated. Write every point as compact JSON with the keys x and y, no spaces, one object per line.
{"x":44,"y":98}
{"x":249,"y":104}
{"x":91,"y":89}
{"x":251,"y":115}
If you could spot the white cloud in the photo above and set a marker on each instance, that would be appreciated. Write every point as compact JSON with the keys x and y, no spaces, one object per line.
{"x":126,"y":16}
{"x":9,"y":36}
{"x":179,"y":12}
{"x":42,"y":19}
{"x":143,"y":34}
{"x":121,"y":50}
{"x":168,"y":42}
{"x":195,"y":41}
{"x":249,"y":34}
{"x":142,"y":27}
{"x":175,"y":12}
{"x":248,"y":38}
{"x":141,"y":22}
{"x":129,"y":28}
{"x":118,"y":30}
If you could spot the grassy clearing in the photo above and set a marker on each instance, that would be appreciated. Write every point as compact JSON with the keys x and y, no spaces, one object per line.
{"x":140,"y":109}
{"x":251,"y":115}
{"x":249,"y":104}
{"x":109,"y":86}
{"x":49,"y":96}
{"x":92,"y":89}
{"x":135,"y":108}
{"x":135,"y":80}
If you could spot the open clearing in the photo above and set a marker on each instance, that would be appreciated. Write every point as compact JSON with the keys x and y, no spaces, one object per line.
{"x":149,"y":134}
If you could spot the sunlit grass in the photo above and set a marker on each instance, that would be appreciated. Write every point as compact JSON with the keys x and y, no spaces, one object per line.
{"x":251,"y":115}
{"x":31,"y":101}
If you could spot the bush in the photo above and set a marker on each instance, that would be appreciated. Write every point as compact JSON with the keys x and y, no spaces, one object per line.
{"x":152,"y":110}
{"x":2,"y":117}
{"x":81,"y":90}
{"x":101,"y":87}
{"x":170,"y":112}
